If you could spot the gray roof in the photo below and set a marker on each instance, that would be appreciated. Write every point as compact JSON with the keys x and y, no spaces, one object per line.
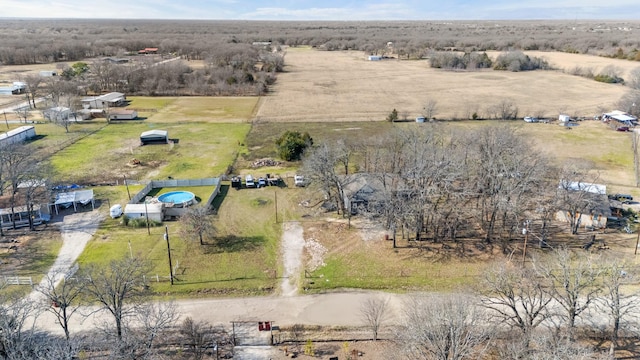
{"x":153,"y":134}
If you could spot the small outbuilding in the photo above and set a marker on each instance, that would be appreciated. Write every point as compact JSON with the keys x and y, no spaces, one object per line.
{"x":23,"y":133}
{"x":58,"y":113}
{"x":154,"y":137}
{"x":123,"y":114}
{"x":154,"y":211}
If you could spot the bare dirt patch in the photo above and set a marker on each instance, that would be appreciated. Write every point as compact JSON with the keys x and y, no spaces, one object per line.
{"x":364,"y":90}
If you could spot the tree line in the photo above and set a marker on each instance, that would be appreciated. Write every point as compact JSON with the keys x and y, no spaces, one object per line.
{"x":48,"y":40}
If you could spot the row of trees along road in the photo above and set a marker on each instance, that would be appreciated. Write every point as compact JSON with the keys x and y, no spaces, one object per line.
{"x":445,"y":184}
{"x":568,"y":305}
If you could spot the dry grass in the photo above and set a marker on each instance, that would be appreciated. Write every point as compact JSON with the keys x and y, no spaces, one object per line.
{"x":207,"y":110}
{"x":567,"y":61}
{"x":344,"y":86}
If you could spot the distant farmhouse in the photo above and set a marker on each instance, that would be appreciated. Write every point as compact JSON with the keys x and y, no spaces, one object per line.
{"x":147,"y":51}
{"x":621,"y":117}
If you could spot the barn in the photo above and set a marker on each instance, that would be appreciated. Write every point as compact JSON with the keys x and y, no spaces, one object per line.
{"x":141,"y":211}
{"x":20,"y":134}
{"x":123,"y":114}
{"x":154,"y":137}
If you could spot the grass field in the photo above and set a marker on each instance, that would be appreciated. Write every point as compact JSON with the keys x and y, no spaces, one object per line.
{"x":343,"y":86}
{"x":202,"y":150}
{"x":241,"y":260}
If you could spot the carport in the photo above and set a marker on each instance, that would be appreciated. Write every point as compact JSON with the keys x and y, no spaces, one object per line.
{"x":68,"y":199}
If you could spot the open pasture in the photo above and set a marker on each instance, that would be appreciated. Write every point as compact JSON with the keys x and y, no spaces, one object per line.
{"x":343,"y":86}
{"x":204,"y":109}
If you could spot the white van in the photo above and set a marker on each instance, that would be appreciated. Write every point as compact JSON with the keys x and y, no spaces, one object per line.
{"x":115,"y":211}
{"x":249,"y":182}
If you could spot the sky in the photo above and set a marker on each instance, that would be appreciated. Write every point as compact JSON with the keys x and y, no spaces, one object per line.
{"x":344,"y":10}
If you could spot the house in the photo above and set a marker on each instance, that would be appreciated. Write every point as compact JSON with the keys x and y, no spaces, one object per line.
{"x":123,"y":114}
{"x":58,"y":113}
{"x":155,"y":211}
{"x":154,"y":137}
{"x":111,"y":99}
{"x":23,"y":133}
{"x":48,"y":73}
{"x":621,"y":117}
{"x":598,"y":205}
{"x":21,"y":216}
{"x":362,"y":192}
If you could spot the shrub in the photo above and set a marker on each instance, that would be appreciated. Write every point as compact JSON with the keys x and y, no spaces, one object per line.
{"x":292,"y":144}
{"x":393,"y":116}
{"x":609,"y":79}
{"x":518,"y":61}
{"x":139,"y":222}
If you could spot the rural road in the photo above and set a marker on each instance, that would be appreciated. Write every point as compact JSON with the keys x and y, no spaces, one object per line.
{"x":338,"y":309}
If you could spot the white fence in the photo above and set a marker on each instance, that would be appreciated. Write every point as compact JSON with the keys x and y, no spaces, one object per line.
{"x":17,"y":280}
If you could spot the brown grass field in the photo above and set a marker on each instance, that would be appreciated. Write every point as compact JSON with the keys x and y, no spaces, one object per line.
{"x":344,"y":86}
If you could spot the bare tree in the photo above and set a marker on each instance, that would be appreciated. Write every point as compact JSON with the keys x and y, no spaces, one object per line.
{"x":429,"y":109}
{"x":373,"y":311}
{"x":443,"y":328}
{"x":119,"y":289}
{"x":577,"y":195}
{"x":153,"y":320}
{"x":634,"y":79}
{"x":196,"y":335}
{"x":62,"y":298}
{"x":572,"y":280}
{"x":33,"y":88}
{"x":619,"y":297}
{"x":17,"y":329}
{"x":23,"y":113}
{"x":516,"y":299}
{"x":198,"y":222}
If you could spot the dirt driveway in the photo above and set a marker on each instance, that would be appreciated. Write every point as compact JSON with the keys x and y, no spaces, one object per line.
{"x":77,"y":229}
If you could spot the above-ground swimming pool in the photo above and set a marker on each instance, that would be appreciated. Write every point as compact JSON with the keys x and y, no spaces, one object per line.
{"x":178,"y":198}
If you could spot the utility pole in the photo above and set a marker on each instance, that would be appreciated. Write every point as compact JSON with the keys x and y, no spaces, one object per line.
{"x":275,"y":196}
{"x":166,"y":237}
{"x":146,"y":213}
{"x":127,"y":186}
{"x":525,"y":231}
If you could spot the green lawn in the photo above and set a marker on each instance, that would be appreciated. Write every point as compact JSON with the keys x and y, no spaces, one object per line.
{"x":201,"y":150}
{"x":240,"y":260}
{"x":205,"y":109}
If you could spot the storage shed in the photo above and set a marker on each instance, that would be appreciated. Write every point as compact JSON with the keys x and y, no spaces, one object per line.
{"x":141,"y":211}
{"x":17,"y":135}
{"x":154,"y":137}
{"x":123,"y":114}
{"x":58,"y":113}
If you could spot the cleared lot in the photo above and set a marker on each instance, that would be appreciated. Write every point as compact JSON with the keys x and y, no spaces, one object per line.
{"x":344,"y":86}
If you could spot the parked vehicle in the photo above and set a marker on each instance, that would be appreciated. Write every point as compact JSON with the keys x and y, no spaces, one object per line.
{"x":249,"y":182}
{"x":115,"y":211}
{"x":623,"y":128}
{"x":530,"y":119}
{"x":262,"y":182}
{"x":298,"y":180}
